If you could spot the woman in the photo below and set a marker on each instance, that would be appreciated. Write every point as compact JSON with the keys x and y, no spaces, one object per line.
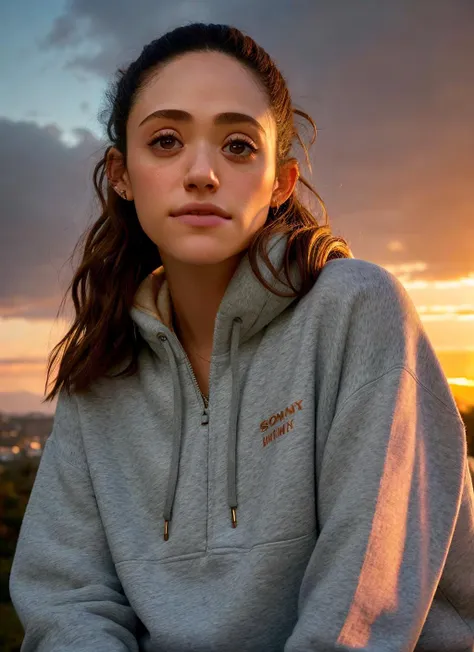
{"x":281,"y":465}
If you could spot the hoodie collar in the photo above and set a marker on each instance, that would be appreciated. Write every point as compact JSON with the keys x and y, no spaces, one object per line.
{"x":245,"y":298}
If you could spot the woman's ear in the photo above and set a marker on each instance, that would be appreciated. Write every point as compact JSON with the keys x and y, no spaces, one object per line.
{"x":117,"y":173}
{"x":285,"y":182}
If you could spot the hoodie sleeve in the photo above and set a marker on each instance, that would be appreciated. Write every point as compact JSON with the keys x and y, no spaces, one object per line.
{"x":389,"y":490}
{"x":389,"y":496}
{"x":63,"y":583}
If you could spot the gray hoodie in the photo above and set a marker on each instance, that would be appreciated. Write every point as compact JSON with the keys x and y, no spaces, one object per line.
{"x":321,"y":501}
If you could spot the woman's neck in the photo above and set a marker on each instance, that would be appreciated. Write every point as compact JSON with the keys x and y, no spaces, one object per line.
{"x":196,"y":293}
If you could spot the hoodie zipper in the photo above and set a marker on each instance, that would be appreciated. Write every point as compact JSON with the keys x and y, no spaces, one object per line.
{"x":204,"y":422}
{"x":200,"y":395}
{"x":205,"y":402}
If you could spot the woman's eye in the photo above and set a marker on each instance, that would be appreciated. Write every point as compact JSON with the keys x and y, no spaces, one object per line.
{"x":239,"y":143}
{"x":164,"y":140}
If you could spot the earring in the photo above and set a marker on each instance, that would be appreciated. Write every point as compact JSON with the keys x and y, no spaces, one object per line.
{"x":122,"y":193}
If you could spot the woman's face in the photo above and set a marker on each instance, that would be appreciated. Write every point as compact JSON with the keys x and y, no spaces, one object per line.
{"x":175,"y":159}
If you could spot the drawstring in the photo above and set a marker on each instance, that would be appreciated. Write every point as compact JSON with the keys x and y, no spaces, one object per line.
{"x":177,"y":429}
{"x":234,"y":412}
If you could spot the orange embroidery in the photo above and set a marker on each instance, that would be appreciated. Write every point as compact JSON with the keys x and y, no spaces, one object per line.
{"x":277,"y":418}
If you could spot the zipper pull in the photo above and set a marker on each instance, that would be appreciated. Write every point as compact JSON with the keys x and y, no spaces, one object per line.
{"x":205,"y":418}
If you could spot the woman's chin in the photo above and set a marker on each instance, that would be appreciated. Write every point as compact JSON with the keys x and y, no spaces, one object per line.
{"x":203,"y":250}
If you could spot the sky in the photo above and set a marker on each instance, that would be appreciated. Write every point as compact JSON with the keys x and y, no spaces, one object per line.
{"x":389,"y":84}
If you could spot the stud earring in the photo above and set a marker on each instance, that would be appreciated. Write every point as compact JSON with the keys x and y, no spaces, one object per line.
{"x":122,"y":193}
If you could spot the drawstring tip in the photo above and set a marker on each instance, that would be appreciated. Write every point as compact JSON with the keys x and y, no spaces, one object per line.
{"x":233,"y":511}
{"x":166,"y":530}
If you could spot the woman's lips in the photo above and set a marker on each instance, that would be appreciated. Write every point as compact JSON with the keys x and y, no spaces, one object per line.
{"x":201,"y":220}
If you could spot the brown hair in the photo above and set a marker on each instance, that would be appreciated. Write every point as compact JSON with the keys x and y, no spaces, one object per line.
{"x":118,"y":255}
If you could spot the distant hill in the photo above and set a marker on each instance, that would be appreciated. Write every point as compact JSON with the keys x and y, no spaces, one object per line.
{"x":16,"y":403}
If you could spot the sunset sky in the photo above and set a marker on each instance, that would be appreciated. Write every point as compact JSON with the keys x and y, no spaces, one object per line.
{"x":389,"y":84}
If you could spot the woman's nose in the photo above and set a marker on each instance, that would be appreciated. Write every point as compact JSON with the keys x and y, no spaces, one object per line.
{"x":202,"y":172}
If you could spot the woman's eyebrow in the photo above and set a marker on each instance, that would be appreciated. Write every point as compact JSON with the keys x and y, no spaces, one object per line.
{"x":227,"y":118}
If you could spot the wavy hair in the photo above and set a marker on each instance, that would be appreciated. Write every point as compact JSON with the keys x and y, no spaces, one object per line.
{"x":117,"y":254}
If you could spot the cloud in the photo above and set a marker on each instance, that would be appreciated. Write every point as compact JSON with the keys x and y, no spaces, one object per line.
{"x":8,"y":362}
{"x":107,"y":26}
{"x":46,"y":192}
{"x":315,"y":25}
{"x":395,"y":245}
{"x":64,"y":33}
